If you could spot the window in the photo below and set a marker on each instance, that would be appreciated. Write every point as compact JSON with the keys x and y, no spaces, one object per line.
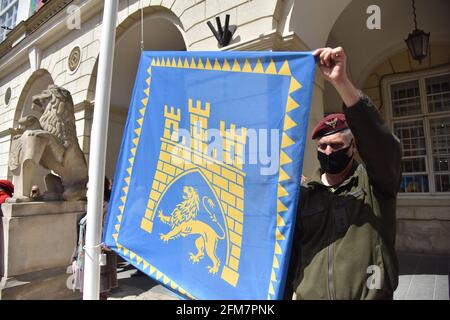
{"x":8,"y":16}
{"x":420,"y":118}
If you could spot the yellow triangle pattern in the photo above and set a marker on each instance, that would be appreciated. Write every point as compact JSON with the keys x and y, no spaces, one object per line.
{"x":280,"y":221}
{"x":247,"y":67}
{"x":217,"y":65}
{"x":281,"y":207}
{"x":279,"y":235}
{"x":288,"y":123}
{"x":285,"y":70}
{"x":287,"y":141}
{"x":291,"y":104}
{"x":295,"y":85}
{"x":285,"y":160}
{"x":200,"y":64}
{"x":283,"y":175}
{"x":258,"y":67}
{"x":236,"y":66}
{"x":282,"y":191}
{"x":277,"y":248}
{"x":271,"y":68}
{"x":208,"y":65}
{"x":152,"y":270}
{"x":193,"y":65}
{"x":226,"y":66}
{"x":133,"y":150}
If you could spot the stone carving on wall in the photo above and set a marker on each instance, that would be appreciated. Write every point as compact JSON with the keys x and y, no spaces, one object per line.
{"x":50,"y":142}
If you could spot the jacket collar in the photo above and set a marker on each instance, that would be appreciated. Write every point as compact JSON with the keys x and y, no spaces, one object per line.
{"x":317,"y":181}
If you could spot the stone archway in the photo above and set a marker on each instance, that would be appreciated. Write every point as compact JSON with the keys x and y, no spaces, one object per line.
{"x":368,"y":49}
{"x":37,"y":82}
{"x":162,"y":32}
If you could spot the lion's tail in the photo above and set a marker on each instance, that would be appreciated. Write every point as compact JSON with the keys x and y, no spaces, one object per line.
{"x":213,"y":216}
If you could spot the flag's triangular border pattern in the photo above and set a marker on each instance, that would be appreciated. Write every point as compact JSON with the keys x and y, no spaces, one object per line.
{"x":268,"y":68}
{"x":145,"y":266}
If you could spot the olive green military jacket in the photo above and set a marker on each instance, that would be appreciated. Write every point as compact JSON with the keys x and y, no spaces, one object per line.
{"x":343,"y":246}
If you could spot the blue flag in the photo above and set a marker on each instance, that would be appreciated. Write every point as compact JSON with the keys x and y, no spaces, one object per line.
{"x":208,"y":177}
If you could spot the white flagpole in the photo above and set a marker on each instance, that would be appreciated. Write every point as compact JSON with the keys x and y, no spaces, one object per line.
{"x":97,"y":153}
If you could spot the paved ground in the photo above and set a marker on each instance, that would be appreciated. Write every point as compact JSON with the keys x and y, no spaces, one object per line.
{"x":421,"y":278}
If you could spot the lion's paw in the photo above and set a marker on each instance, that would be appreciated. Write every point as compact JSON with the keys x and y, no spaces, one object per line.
{"x":164,"y":237}
{"x":212,"y":270}
{"x":194,"y":258}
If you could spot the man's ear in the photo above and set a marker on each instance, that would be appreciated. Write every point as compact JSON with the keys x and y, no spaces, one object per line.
{"x":355,"y":149}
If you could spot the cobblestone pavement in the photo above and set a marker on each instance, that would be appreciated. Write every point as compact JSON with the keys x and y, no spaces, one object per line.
{"x":422,"y":277}
{"x":134,"y":285}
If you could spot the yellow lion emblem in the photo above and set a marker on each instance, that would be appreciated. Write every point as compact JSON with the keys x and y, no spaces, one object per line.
{"x":183,"y":222}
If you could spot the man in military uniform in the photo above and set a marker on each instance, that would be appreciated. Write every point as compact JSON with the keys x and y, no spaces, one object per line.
{"x":343,"y":246}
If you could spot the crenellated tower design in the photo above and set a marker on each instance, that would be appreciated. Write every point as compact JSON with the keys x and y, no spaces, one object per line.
{"x":180,"y":155}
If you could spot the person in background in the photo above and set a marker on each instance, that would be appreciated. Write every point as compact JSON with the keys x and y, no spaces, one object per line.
{"x":6,"y":190}
{"x":108,"y":272}
{"x":35,"y":193}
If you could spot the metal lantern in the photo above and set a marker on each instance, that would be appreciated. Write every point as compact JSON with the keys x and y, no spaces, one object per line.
{"x":418,"y":40}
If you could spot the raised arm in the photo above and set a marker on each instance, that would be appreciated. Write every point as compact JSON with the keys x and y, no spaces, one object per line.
{"x":377,"y":146}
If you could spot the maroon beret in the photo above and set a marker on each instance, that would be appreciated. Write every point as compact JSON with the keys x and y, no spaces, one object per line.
{"x":330,"y":124}
{"x":7,"y":186}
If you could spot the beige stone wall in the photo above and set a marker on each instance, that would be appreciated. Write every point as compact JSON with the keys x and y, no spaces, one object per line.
{"x":252,"y":17}
{"x":423,"y":222}
{"x":424,"y":226}
{"x":402,"y":62}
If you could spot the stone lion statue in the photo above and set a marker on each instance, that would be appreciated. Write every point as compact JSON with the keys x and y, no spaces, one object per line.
{"x":183,"y":222}
{"x":52,"y":143}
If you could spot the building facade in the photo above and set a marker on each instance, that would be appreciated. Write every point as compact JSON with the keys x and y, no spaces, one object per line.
{"x":59,"y":44}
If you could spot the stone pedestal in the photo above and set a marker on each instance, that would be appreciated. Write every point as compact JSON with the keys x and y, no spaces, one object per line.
{"x":37,"y":241}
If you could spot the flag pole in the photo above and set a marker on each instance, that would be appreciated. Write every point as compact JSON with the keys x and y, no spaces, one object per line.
{"x":97,"y":153}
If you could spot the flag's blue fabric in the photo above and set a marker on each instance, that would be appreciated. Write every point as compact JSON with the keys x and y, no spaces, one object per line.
{"x":208,"y":178}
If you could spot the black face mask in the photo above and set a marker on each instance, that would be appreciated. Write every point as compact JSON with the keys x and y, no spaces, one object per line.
{"x":336,"y":161}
